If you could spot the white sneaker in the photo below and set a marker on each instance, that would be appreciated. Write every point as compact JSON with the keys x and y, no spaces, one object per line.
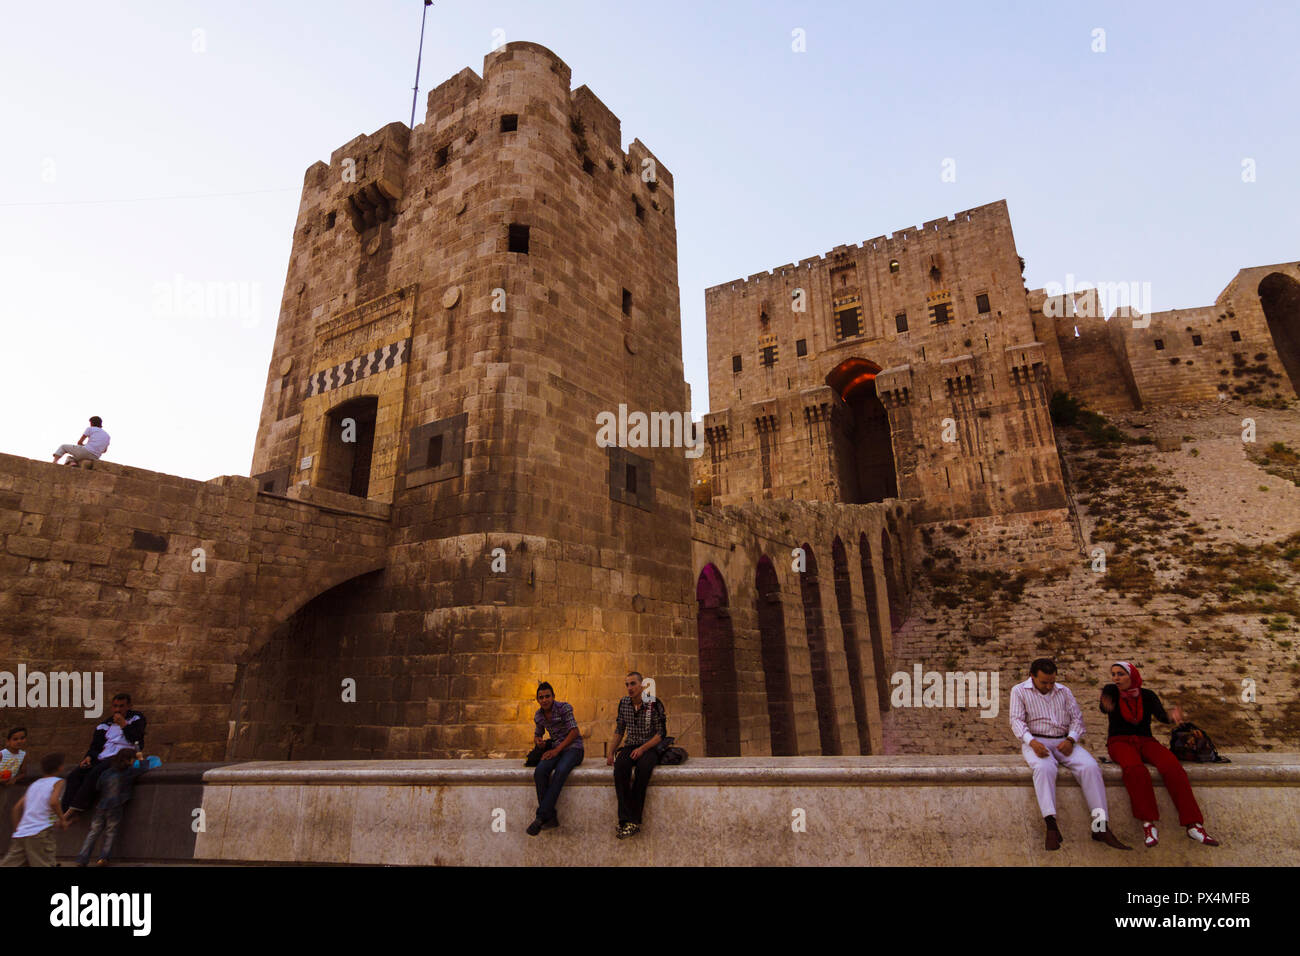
{"x":1149,"y":834}
{"x":1197,"y":833}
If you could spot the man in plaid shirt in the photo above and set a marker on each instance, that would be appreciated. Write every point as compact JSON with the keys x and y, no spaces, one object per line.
{"x":554,"y":717}
{"x":642,"y":725}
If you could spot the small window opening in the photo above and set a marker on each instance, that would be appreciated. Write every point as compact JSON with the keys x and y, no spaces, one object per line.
{"x":329,"y":220}
{"x":518,"y":238}
{"x":1196,"y":340}
{"x":434,"y":457}
{"x":982,"y":303}
{"x":1160,"y":345}
{"x":735,"y":363}
{"x":893,"y":265}
{"x":1236,"y":336}
{"x":640,"y":209}
{"x":627,"y":302}
{"x":900,"y":322}
{"x":767,"y":356}
{"x":509,"y":122}
{"x":801,"y":348}
{"x":848,"y":323}
{"x":440,"y":160}
{"x":630,"y":479}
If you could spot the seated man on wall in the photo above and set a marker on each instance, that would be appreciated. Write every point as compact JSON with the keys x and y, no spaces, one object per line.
{"x":565,"y":752}
{"x":123,"y":730}
{"x":1047,"y":720}
{"x":642,"y":724}
{"x":89,"y":447}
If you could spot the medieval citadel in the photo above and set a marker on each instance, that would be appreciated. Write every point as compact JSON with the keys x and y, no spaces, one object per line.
{"x":430,"y":514}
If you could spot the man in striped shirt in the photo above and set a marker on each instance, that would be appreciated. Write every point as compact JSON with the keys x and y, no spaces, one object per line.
{"x":1046,"y":719}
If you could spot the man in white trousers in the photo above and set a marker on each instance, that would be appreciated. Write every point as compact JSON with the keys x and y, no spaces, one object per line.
{"x":92,"y":443}
{"x":1046,"y":719}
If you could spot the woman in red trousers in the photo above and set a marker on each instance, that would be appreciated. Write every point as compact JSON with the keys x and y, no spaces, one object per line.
{"x":1130,"y":708}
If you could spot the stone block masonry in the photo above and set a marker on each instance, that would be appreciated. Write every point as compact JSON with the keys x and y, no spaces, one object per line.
{"x":163,"y":584}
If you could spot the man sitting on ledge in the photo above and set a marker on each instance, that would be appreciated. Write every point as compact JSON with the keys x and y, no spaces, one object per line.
{"x":642,"y":724}
{"x":1047,"y":720}
{"x":124,"y":730}
{"x":89,"y":447}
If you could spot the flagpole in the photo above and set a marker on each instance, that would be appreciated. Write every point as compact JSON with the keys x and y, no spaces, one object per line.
{"x":415,"y":90}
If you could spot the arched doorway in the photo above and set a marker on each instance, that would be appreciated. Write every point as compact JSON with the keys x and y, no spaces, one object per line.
{"x":823,"y":693}
{"x":844,"y":598}
{"x":1279,"y":296}
{"x":718,"y":685}
{"x":280,"y":710}
{"x":348,"y":446}
{"x":871,"y":449}
{"x":776,"y":670}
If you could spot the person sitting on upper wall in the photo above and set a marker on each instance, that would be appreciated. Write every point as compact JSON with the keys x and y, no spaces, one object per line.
{"x":89,"y":447}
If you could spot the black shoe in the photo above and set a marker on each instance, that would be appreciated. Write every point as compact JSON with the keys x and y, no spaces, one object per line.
{"x":1053,"y":833}
{"x":551,"y":823}
{"x":535,"y":827}
{"x":1109,"y":838}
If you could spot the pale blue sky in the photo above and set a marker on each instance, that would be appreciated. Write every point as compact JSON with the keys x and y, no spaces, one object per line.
{"x":1124,"y":165}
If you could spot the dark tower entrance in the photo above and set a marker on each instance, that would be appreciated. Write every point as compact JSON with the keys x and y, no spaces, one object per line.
{"x":349,"y":445}
{"x":871,"y":452}
{"x":1279,"y":295}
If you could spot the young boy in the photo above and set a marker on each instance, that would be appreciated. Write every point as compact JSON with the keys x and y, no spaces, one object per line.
{"x":12,"y":756}
{"x":35,"y":817}
{"x":114,"y":786}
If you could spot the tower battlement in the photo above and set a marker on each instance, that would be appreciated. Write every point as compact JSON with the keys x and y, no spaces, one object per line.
{"x":900,"y":241}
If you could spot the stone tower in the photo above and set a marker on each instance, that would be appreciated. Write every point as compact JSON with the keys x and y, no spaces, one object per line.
{"x":463,"y":299}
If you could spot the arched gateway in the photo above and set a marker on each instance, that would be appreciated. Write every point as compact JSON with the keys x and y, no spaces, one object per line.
{"x":870,"y":451}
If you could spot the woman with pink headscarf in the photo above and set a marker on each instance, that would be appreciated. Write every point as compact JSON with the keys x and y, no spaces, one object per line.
{"x":1130,"y":707}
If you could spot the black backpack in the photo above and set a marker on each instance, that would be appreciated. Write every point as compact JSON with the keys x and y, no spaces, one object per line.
{"x":1190,"y":743}
{"x":669,"y":755}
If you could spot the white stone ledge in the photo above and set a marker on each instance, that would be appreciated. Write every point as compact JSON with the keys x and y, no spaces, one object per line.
{"x":855,"y":811}
{"x":1244,"y":770}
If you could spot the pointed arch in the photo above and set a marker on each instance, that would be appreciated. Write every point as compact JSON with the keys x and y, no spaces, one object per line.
{"x":717,"y":649}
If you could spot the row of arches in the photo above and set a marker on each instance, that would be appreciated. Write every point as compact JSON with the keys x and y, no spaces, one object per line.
{"x":802,"y":676}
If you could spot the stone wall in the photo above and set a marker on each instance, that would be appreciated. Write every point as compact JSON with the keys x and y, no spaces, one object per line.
{"x":1128,"y":360}
{"x":799,"y":650}
{"x":98,"y":573}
